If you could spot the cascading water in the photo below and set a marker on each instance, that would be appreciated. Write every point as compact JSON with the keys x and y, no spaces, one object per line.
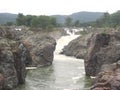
{"x":66,"y":73}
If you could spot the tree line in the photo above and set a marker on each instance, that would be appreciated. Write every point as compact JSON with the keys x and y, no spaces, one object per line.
{"x":42,"y":21}
{"x":107,"y":20}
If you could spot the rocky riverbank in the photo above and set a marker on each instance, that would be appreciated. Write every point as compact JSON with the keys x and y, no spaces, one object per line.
{"x":21,"y":48}
{"x":102,"y":61}
{"x":12,"y":66}
{"x":100,"y":49}
{"x":77,"y":47}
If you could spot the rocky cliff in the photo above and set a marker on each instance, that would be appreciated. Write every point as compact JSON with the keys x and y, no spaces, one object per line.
{"x":41,"y":49}
{"x":92,"y":63}
{"x":12,"y":66}
{"x":102,"y":61}
{"x":21,"y":48}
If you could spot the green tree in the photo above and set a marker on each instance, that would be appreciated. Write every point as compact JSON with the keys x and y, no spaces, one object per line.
{"x":44,"y":21}
{"x":109,"y":20}
{"x":77,"y":23}
{"x":20,"y":19}
{"x":68,"y":22}
{"x":34,"y":22}
{"x":53,"y":22}
{"x":115,"y":19}
{"x":28,"y":20}
{"x":9,"y":23}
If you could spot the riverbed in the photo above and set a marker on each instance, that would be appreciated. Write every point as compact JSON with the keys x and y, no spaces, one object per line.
{"x":66,"y":73}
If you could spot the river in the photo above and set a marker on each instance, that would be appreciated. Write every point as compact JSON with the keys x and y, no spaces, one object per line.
{"x":66,"y":73}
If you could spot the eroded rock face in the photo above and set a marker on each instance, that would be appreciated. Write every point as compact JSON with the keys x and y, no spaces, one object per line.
{"x":108,"y":78}
{"x":103,"y":61}
{"x":21,"y":48}
{"x":41,"y":49}
{"x":92,"y":63}
{"x":12,"y":66}
{"x":77,"y":47}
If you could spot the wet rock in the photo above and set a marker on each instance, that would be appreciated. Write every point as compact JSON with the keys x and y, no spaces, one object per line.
{"x":41,"y":49}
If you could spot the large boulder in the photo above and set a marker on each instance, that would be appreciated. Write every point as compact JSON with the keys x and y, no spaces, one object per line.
{"x":77,"y":47}
{"x":12,"y":66}
{"x":41,"y":49}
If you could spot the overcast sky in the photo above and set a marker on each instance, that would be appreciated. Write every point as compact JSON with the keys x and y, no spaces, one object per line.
{"x":63,"y":7}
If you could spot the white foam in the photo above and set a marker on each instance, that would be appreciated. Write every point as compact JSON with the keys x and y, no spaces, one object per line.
{"x":76,"y":78}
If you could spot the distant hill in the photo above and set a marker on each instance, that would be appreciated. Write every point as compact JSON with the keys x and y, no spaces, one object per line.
{"x":7,"y":17}
{"x":81,"y":16}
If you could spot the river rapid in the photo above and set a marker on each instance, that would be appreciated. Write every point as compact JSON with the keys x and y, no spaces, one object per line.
{"x":66,"y":73}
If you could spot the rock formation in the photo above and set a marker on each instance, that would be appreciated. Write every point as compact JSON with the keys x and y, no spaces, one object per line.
{"x":12,"y":66}
{"x":103,"y":61}
{"x":21,"y":48}
{"x":41,"y":49}
{"x":92,"y":63}
{"x":108,"y":78}
{"x":40,"y":45}
{"x":77,"y":47}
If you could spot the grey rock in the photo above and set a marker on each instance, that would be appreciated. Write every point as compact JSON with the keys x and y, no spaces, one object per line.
{"x":77,"y":47}
{"x":92,"y":63}
{"x":12,"y":66}
{"x":41,"y":49}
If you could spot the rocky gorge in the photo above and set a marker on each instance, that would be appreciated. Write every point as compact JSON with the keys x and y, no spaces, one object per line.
{"x":102,"y":60}
{"x":25,"y":48}
{"x":101,"y":52}
{"x":20,"y":49}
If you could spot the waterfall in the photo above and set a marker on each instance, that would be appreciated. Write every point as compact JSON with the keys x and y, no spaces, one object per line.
{"x":64,"y":40}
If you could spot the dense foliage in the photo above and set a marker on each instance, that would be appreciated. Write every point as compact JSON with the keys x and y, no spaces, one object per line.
{"x":42,"y":21}
{"x":70,"y":23}
{"x":108,"y":20}
{"x":81,"y":16}
{"x":45,"y":22}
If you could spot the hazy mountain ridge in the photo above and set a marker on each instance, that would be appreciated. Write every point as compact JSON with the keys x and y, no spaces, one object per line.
{"x":86,"y":16}
{"x":7,"y":17}
{"x":81,"y":16}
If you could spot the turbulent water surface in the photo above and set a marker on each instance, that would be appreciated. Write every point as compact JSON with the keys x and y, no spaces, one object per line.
{"x":66,"y":73}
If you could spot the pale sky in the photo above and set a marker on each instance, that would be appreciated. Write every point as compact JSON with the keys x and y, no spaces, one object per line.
{"x":63,"y":7}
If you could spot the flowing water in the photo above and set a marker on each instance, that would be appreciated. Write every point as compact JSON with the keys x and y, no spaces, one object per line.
{"x":66,"y":73}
